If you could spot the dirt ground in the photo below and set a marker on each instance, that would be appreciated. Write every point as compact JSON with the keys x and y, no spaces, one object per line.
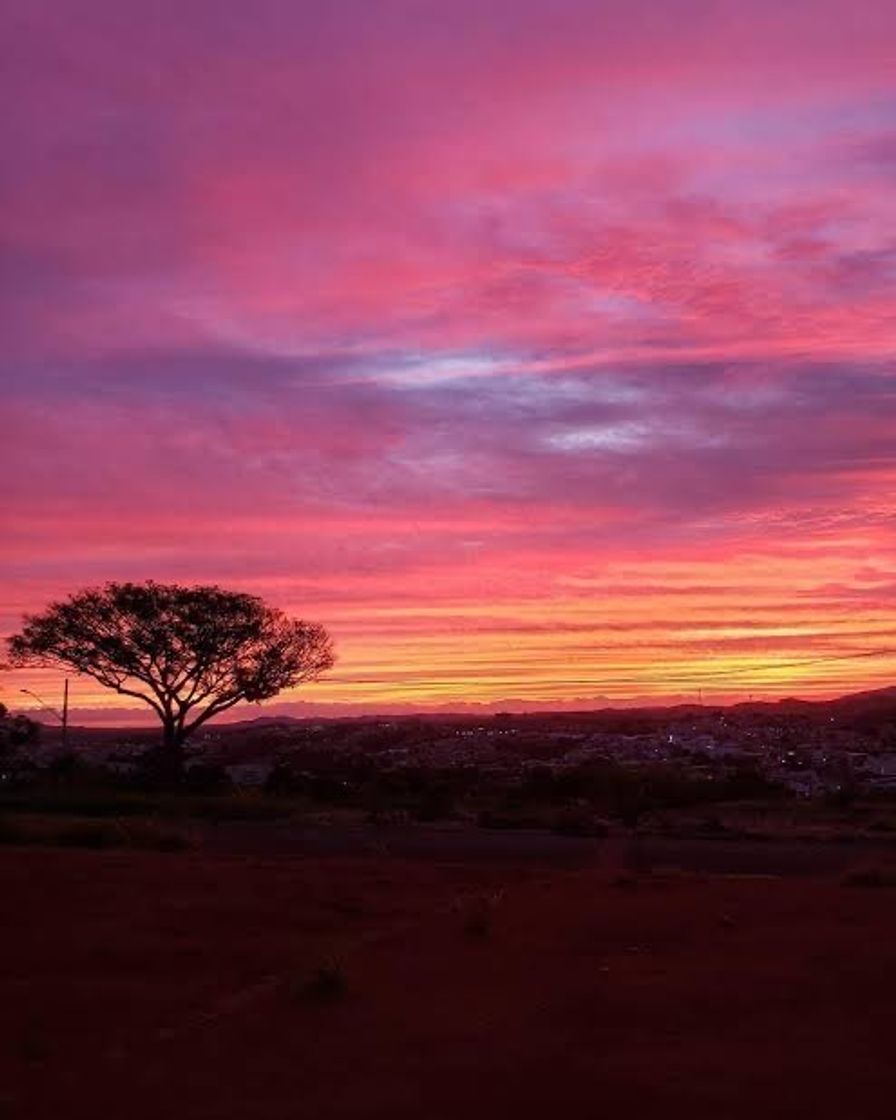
{"x":200,"y":986}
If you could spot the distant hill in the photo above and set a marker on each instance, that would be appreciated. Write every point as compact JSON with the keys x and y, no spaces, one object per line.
{"x":858,"y":709}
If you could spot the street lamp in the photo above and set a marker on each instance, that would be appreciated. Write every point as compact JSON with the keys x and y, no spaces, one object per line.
{"x":63,"y":718}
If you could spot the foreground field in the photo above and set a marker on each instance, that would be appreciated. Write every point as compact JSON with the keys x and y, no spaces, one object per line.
{"x":191,"y":985}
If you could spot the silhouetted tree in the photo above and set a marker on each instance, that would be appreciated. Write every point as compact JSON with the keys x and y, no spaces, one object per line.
{"x":190,"y":653}
{"x":15,"y":731}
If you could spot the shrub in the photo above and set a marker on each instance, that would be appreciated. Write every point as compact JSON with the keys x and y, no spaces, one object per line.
{"x":436,"y":803}
{"x":477,"y":912}
{"x":869,"y":877}
{"x":86,"y":803}
{"x":508,"y":818}
{"x":146,"y":835}
{"x":154,"y":836}
{"x":284,"y":781}
{"x":326,"y":983}
{"x":204,"y":777}
{"x":580,"y":822}
{"x":85,"y":834}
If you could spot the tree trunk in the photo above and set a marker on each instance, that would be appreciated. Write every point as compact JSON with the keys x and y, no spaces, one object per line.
{"x":171,"y":755}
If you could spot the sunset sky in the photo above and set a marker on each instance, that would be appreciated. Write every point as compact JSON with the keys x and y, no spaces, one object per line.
{"x":543,"y":350}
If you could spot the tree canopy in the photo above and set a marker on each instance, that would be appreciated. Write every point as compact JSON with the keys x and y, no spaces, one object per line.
{"x":190,"y":653}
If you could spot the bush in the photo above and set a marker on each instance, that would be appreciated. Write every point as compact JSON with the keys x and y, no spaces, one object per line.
{"x":84,"y":834}
{"x":869,"y":877}
{"x":148,"y":835}
{"x":71,"y":771}
{"x":16,"y":731}
{"x":436,"y":803}
{"x":478,"y":911}
{"x":80,"y":803}
{"x":508,"y":818}
{"x":284,"y":781}
{"x":202,"y":777}
{"x":580,"y":822}
{"x":325,"y":984}
{"x":155,"y":836}
{"x":226,"y":807}
{"x":17,"y":773}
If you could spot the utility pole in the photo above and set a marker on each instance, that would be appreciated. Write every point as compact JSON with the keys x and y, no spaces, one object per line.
{"x":65,"y":716}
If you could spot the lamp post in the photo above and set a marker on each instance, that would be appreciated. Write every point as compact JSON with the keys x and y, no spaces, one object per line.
{"x":63,"y":718}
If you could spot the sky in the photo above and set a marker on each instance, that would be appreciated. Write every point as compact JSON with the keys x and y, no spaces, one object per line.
{"x":543,"y":350}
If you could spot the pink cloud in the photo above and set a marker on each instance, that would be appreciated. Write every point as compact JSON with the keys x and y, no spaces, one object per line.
{"x":444,"y":308}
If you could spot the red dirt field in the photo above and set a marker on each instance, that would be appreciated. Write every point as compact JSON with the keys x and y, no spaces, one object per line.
{"x":153,"y":985}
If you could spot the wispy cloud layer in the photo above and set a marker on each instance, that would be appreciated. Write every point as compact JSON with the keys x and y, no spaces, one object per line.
{"x":543,"y":351}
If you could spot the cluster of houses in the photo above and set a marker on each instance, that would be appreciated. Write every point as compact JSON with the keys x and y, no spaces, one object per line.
{"x":807,"y":759}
